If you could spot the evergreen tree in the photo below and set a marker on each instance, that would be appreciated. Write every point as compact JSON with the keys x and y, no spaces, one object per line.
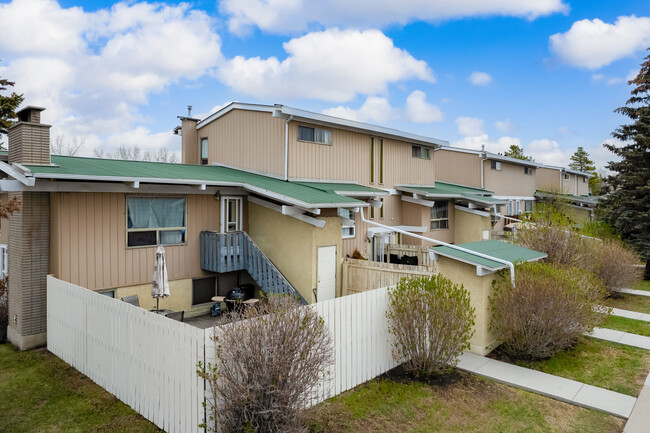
{"x":8,"y":105}
{"x":580,"y":161}
{"x":517,"y":152}
{"x":627,"y":208}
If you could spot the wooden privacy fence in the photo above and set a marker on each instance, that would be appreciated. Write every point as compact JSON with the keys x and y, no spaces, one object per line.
{"x":362,"y":275}
{"x":419,"y":251}
{"x":149,"y":362}
{"x":146,"y":360}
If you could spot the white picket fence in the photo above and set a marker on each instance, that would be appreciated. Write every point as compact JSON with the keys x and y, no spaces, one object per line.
{"x":149,"y":362}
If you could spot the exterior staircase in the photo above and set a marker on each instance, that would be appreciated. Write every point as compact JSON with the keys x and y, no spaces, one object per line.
{"x":236,"y":251}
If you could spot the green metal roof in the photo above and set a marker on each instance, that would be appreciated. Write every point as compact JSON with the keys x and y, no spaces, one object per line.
{"x":76,"y":168}
{"x":586,"y":199}
{"x":344,"y":188}
{"x":499,"y":249}
{"x":446,"y":189}
{"x":484,"y":199}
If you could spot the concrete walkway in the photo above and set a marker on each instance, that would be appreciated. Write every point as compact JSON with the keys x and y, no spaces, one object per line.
{"x":631,"y":314}
{"x":636,"y":292}
{"x":621,"y":337}
{"x":639,"y":421}
{"x":555,"y":387}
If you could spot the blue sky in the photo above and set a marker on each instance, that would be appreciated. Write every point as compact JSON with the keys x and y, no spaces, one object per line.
{"x":543,"y":74}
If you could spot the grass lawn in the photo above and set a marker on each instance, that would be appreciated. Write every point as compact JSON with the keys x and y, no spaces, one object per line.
{"x":599,"y":363}
{"x":643,"y":285}
{"x":467,"y":403}
{"x":41,"y":393}
{"x":640,"y":304}
{"x":628,"y":325}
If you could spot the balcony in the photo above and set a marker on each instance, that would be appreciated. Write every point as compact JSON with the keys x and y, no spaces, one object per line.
{"x":228,"y":252}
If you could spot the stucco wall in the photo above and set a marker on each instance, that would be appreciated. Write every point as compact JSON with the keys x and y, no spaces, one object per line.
{"x":480,"y":289}
{"x":292,"y":245}
{"x":469,"y":226}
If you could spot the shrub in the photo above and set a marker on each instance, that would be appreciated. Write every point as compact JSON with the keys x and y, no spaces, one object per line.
{"x":4,"y":309}
{"x":431,"y":320}
{"x":617,"y":266}
{"x":269,"y":360}
{"x":546,"y":311}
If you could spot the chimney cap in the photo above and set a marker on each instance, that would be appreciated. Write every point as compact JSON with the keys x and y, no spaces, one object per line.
{"x":30,"y":108}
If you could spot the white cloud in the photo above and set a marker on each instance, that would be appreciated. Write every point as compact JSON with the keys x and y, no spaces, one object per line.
{"x":547,"y":152}
{"x":374,"y":109}
{"x":614,"y":80}
{"x":92,"y":70}
{"x":470,"y":126}
{"x":477,"y":142}
{"x":332,"y":65}
{"x":505,"y":126}
{"x":418,"y":110}
{"x":480,"y":78}
{"x":632,"y":74}
{"x":597,"y":77}
{"x":594,"y":43}
{"x":291,"y":16}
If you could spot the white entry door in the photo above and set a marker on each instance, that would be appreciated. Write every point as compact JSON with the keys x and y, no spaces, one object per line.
{"x":326,"y":287}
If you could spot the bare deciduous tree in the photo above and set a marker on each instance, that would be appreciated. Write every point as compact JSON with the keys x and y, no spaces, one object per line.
{"x":135,"y":153}
{"x":70,"y":148}
{"x":269,"y":361}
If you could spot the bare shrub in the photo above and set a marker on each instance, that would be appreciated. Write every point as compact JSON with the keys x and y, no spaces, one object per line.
{"x":617,"y":266}
{"x":269,"y":360}
{"x":4,"y":309}
{"x":431,"y":320}
{"x":546,"y":311}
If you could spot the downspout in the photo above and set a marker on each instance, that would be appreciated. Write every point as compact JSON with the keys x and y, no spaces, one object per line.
{"x":455,"y":247}
{"x":484,"y":155}
{"x":286,"y":148}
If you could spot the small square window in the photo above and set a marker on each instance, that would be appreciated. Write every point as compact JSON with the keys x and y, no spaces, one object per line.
{"x":528,"y":170}
{"x":348,"y":223}
{"x":439,"y":216}
{"x":420,"y":152}
{"x":584,"y":180}
{"x":495,"y":165}
{"x":315,"y":135}
{"x":567,"y":176}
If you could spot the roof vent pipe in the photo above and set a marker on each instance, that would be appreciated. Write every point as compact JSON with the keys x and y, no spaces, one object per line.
{"x":189,"y":111}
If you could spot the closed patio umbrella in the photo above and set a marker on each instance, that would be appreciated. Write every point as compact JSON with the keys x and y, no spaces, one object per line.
{"x":160,"y":286}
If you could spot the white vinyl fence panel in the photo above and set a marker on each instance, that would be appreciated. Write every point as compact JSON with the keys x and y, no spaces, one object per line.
{"x":149,"y":362}
{"x":145,"y":360}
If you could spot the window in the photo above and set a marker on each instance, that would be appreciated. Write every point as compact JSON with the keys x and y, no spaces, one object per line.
{"x":509,"y":209}
{"x":4,"y":261}
{"x":518,"y":206}
{"x":372,"y":160}
{"x":348,"y":223}
{"x":584,"y":180}
{"x":567,"y":176}
{"x":316,"y":135}
{"x":381,"y":209}
{"x":109,"y":293}
{"x":420,"y":152}
{"x":528,"y":205}
{"x":528,"y":170}
{"x":231,"y":214}
{"x":204,"y":150}
{"x":439,"y":216}
{"x":155,"y":220}
{"x":203,"y":289}
{"x":495,"y":165}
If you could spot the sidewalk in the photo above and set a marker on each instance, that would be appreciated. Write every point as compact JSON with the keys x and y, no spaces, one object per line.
{"x":555,"y":387}
{"x":630,"y":314}
{"x":639,"y":421}
{"x":635,"y":292}
{"x":620,"y":337}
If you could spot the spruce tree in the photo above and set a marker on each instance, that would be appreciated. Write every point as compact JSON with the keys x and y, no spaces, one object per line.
{"x":580,"y":161}
{"x":627,"y":208}
{"x":516,"y":152}
{"x":8,"y":105}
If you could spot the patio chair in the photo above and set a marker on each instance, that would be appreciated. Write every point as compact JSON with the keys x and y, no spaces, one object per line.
{"x":133,"y":300}
{"x":176,"y":315}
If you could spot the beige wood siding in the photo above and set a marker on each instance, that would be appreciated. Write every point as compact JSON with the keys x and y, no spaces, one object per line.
{"x":248,"y":139}
{"x":583,"y":185}
{"x":510,"y":180}
{"x":189,"y":142}
{"x":420,"y":216}
{"x":348,"y":158}
{"x":548,"y":179}
{"x":89,"y":241}
{"x":457,"y":167}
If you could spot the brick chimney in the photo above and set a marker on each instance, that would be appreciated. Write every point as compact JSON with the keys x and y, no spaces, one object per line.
{"x":29,"y":139}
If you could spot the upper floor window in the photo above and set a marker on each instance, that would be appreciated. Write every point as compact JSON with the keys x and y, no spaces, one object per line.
{"x":440,"y":215}
{"x":348,"y":223}
{"x":495,"y":165}
{"x":231,"y":214}
{"x":567,"y":176}
{"x":316,"y":135}
{"x":584,"y":180}
{"x":420,"y":152}
{"x":528,"y":170}
{"x":155,"y":220}
{"x":204,"y":150}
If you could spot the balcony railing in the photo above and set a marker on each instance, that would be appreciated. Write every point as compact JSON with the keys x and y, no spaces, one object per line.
{"x":228,"y":252}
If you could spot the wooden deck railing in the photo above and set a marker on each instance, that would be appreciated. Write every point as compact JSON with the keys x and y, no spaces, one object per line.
{"x":227,"y":252}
